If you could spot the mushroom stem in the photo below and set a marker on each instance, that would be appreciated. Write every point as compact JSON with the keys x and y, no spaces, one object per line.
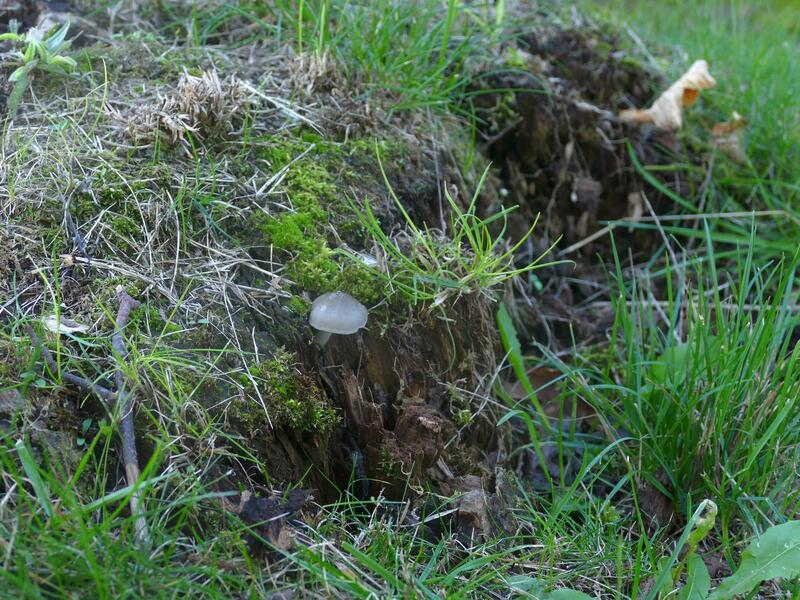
{"x":322,"y":337}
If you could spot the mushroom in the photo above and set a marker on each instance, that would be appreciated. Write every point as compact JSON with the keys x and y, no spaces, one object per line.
{"x":336,"y":312}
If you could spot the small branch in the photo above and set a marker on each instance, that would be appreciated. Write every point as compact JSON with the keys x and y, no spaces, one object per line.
{"x":652,"y":303}
{"x":125,"y":411}
{"x":119,"y":399}
{"x":90,"y":387}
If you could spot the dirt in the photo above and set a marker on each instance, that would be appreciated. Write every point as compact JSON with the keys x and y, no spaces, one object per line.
{"x":271,"y":518}
{"x":399,"y":389}
{"x":562,"y":153}
{"x":560,"y":150}
{"x":398,"y":396}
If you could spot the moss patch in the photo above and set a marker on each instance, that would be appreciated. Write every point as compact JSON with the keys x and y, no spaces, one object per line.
{"x":316,"y":200}
{"x":15,"y":367}
{"x":291,"y":398}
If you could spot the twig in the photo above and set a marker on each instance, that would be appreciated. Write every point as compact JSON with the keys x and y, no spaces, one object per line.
{"x":119,"y":399}
{"x":665,"y":304}
{"x":75,"y":234}
{"x":125,"y":408}
{"x":90,"y":387}
{"x":650,"y":219}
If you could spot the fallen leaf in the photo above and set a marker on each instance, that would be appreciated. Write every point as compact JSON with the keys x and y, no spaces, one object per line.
{"x":542,"y":379}
{"x":728,"y":137}
{"x":667,"y":110}
{"x":271,"y":518}
{"x":65,"y":325}
{"x":635,"y":206}
{"x":657,"y":508}
{"x":545,"y":382}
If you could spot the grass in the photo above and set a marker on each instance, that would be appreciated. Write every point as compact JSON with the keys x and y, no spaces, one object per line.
{"x":704,"y":384}
{"x":699,"y":394}
{"x":415,"y":51}
{"x":692,"y":394}
{"x":432,"y":266}
{"x":757,"y":77}
{"x":71,"y":535}
{"x":720,"y":369}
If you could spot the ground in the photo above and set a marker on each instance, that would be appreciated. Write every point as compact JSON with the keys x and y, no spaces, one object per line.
{"x":580,"y":328}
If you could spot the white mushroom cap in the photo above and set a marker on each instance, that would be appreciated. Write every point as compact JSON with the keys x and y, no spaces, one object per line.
{"x":337,"y":312}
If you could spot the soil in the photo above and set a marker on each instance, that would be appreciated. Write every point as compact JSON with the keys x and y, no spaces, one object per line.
{"x":561,"y":152}
{"x":399,"y":387}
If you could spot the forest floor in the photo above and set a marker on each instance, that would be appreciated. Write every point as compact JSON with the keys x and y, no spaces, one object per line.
{"x":582,"y":327}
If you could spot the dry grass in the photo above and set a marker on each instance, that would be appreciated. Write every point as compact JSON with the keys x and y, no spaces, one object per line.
{"x":202,"y":107}
{"x":155,"y":168}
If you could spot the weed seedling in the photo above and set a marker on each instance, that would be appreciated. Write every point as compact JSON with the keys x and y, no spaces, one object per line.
{"x":42,"y":51}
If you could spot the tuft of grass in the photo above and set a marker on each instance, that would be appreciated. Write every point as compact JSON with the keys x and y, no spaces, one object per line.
{"x":428,"y":265}
{"x":65,"y":534}
{"x":704,"y":385}
{"x":415,"y":50}
{"x":704,"y":379}
{"x":696,"y":396}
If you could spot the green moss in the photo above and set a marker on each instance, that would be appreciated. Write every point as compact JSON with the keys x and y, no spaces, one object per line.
{"x":124,"y":230}
{"x":148,"y":320}
{"x":42,"y":399}
{"x":291,"y":398}
{"x":515,"y":59}
{"x":391,"y":467}
{"x":14,"y":358}
{"x":110,"y":189}
{"x":311,"y":265}
{"x":505,"y":111}
{"x":299,"y":305}
{"x":463,"y":417}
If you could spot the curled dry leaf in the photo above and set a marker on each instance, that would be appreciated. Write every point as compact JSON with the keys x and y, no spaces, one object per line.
{"x":635,"y":206}
{"x":667,"y":110}
{"x":63,"y":325}
{"x":728,"y":137}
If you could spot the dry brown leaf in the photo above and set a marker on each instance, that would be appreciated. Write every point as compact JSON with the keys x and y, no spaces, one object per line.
{"x":728,"y":137}
{"x":635,"y":206}
{"x":545,"y":382}
{"x":667,"y":110}
{"x":63,"y":325}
